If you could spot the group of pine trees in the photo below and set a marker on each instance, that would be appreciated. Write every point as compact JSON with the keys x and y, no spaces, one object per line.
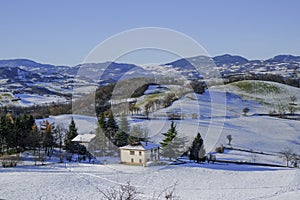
{"x":19,"y":133}
{"x":173,"y":146}
{"x":110,"y":134}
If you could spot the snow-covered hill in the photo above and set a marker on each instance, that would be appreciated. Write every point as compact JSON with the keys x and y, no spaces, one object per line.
{"x":219,"y":113}
{"x":215,"y":114}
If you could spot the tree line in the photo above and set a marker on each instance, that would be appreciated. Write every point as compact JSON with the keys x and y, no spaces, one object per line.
{"x":20,"y":133}
{"x":110,"y":135}
{"x":295,"y":82}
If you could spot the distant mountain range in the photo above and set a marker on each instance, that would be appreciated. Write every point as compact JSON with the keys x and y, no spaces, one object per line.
{"x":21,"y":75}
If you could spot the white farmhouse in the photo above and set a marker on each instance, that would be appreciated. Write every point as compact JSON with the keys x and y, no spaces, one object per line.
{"x":140,"y":154}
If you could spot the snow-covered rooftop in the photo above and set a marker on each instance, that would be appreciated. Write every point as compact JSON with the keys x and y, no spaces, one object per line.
{"x":144,"y":146}
{"x":85,"y":138}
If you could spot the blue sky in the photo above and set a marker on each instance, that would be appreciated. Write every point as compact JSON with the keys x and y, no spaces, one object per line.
{"x":65,"y":31}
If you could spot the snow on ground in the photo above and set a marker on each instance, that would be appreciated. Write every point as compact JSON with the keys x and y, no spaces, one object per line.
{"x":193,"y":181}
{"x":34,"y":99}
{"x":270,"y":93}
{"x":26,"y":100}
{"x":215,"y":120}
{"x":84,"y":124}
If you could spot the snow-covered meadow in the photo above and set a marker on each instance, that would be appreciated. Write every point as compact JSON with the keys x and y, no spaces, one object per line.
{"x":219,"y":113}
{"x":193,"y":181}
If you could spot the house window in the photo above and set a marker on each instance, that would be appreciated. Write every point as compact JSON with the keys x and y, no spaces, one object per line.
{"x":131,"y":152}
{"x":140,"y":153}
{"x":140,"y":160}
{"x":132,"y":160}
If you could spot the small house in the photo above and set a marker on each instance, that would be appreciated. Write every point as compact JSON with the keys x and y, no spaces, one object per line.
{"x":84,"y":139}
{"x":140,"y":154}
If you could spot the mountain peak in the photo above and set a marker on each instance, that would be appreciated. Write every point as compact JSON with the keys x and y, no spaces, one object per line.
{"x":284,"y":58}
{"x":229,"y":59}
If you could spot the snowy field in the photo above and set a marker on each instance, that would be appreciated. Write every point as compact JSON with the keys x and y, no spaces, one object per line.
{"x":34,"y":99}
{"x":27,"y":100}
{"x":84,"y":124}
{"x":193,"y":181}
{"x":218,"y":113}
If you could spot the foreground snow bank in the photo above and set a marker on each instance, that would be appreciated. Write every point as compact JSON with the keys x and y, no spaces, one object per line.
{"x":194,"y":181}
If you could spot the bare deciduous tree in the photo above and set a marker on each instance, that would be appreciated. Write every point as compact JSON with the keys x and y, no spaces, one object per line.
{"x":292,"y":105}
{"x":125,"y":192}
{"x":129,"y":192}
{"x":229,"y":138}
{"x":287,"y":155}
{"x":168,"y":193}
{"x":245,"y":111}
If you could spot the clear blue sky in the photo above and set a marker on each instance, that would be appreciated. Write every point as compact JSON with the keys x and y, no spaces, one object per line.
{"x":65,"y":31}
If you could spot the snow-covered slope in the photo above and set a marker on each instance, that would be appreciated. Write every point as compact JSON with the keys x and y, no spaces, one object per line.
{"x":84,"y":124}
{"x":218,"y":113}
{"x":216,"y":120}
{"x":193,"y":181}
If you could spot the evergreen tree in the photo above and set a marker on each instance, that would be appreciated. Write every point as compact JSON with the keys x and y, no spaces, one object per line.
{"x":18,"y":130}
{"x":111,"y":128}
{"x":3,"y":134}
{"x":124,"y":124}
{"x":100,"y":145}
{"x":137,"y":135}
{"x":48,"y":139}
{"x":196,"y":147}
{"x":34,"y":138}
{"x":121,"y":138}
{"x":174,"y":149}
{"x":102,"y":121}
{"x":28,"y":124}
{"x":201,"y":154}
{"x":172,"y":145}
{"x":59,"y":135}
{"x":169,"y":136}
{"x":70,"y":135}
{"x":11,"y":132}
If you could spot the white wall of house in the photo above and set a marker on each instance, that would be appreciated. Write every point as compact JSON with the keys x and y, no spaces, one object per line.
{"x":139,"y":157}
{"x":135,"y":157}
{"x":152,"y":155}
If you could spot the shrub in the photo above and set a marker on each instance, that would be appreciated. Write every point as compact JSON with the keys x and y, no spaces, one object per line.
{"x":194,"y":116}
{"x":220,"y":149}
{"x":10,"y":161}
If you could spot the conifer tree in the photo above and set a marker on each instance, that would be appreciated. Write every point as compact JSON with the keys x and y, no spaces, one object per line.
{"x":195,"y":148}
{"x":137,"y":135}
{"x":11,"y":134}
{"x":169,"y":136}
{"x":99,"y":144}
{"x":102,"y":121}
{"x":18,"y":132}
{"x":124,"y":124}
{"x":3,"y":133}
{"x":34,"y":138}
{"x":121,"y":138}
{"x":48,"y":139}
{"x":111,"y":128}
{"x":172,"y":145}
{"x":70,"y":135}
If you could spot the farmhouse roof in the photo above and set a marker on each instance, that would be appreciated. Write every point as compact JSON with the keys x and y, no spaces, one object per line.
{"x":84,"y":138}
{"x":142,"y":146}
